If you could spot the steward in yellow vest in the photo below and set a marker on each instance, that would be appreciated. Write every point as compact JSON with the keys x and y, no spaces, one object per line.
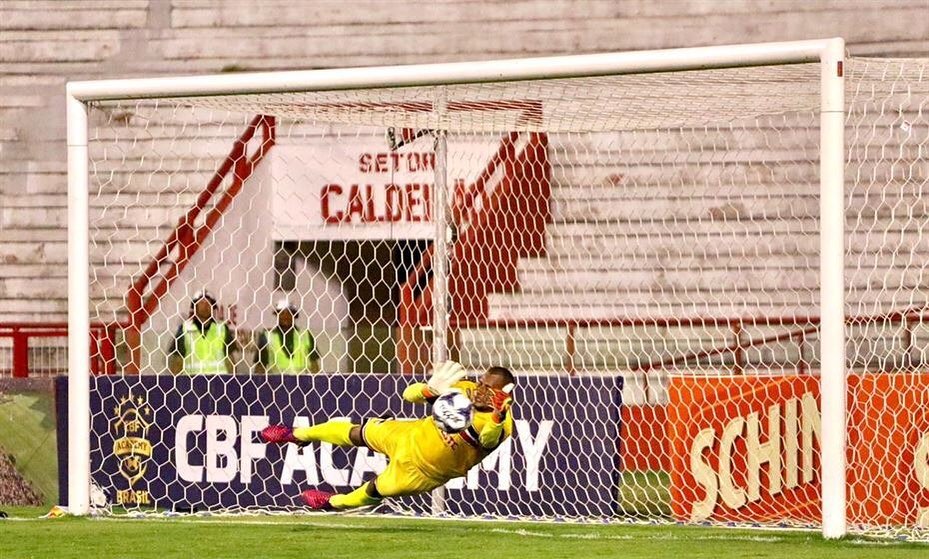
{"x":202,"y":345}
{"x":286,"y":349}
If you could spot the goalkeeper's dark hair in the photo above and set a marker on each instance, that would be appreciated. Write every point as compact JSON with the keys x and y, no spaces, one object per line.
{"x":503,"y":373}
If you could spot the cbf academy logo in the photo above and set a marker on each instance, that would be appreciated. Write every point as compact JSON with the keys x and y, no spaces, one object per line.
{"x":132,"y":447}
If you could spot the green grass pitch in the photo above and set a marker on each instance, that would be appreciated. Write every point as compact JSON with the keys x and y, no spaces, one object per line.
{"x":353,"y":537}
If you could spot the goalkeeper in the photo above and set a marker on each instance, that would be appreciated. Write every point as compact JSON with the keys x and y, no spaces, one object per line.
{"x":422,"y":457}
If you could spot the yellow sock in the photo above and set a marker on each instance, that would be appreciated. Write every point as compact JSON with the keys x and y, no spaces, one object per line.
{"x":357,"y":498}
{"x":335,"y":432}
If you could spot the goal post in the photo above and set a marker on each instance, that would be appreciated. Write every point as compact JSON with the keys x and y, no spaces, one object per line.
{"x":78,"y":308}
{"x":572,"y":131}
{"x":832,"y":287}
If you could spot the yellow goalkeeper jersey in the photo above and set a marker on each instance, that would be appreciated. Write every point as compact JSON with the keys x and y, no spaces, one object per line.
{"x":443,"y":456}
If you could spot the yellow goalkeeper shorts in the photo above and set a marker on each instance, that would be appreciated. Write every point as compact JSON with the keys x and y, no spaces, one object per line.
{"x":395,"y":439}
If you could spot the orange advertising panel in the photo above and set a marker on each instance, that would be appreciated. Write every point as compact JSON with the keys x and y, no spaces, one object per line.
{"x":643,"y":439}
{"x":747,"y":448}
{"x":888,"y":458}
{"x":744,"y":448}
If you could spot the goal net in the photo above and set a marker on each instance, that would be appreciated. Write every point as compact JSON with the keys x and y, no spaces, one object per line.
{"x":642,"y":250}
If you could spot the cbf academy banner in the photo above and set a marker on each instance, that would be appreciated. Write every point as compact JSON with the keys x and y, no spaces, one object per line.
{"x":192,"y":442}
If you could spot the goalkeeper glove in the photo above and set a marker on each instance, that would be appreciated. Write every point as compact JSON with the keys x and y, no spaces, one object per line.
{"x":502,"y":401}
{"x":443,"y":377}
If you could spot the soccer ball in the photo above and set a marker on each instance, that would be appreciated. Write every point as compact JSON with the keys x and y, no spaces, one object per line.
{"x":452,"y":412}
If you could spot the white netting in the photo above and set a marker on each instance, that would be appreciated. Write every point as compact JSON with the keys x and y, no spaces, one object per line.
{"x":641,"y":251}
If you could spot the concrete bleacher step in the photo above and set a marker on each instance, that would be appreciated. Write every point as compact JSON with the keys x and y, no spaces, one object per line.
{"x":107,"y":272}
{"x":666,"y":155}
{"x":275,"y":39}
{"x":692,"y":300}
{"x":743,"y":207}
{"x":9,"y":140}
{"x":28,"y":83}
{"x":40,"y":15}
{"x":623,"y":189}
{"x":189,"y":122}
{"x":796,"y":280}
{"x":35,"y":46}
{"x":861,"y":194}
{"x":153,"y":67}
{"x":727,"y":239}
{"x":13,"y":115}
{"x":158,"y":128}
{"x":606,"y":173}
{"x":14,"y":109}
{"x":19,"y":178}
{"x":13,"y":313}
{"x":638,"y":346}
{"x":8,"y":134}
{"x":55,"y":252}
{"x":769,"y":133}
{"x":719,"y":304}
{"x":101,"y":287}
{"x":195,"y":16}
{"x":46,"y":309}
{"x":776,"y":140}
{"x":126,"y":156}
{"x":101,"y":201}
{"x":618,"y":263}
{"x":166,"y":182}
{"x":131,"y":218}
{"x":140,"y":216}
{"x":628,"y":347}
{"x":876,"y":271}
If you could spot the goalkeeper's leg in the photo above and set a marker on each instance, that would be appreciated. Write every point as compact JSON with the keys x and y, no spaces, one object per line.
{"x":365,"y":495}
{"x":340,"y":433}
{"x":400,"y":478}
{"x":380,"y":435}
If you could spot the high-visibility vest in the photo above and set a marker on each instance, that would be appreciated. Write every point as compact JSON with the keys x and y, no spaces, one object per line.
{"x":297,"y":360}
{"x":206,"y":352}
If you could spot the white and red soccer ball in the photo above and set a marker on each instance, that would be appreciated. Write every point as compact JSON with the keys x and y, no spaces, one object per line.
{"x":452,"y":412}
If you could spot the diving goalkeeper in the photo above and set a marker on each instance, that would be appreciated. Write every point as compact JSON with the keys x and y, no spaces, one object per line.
{"x":422,"y":457}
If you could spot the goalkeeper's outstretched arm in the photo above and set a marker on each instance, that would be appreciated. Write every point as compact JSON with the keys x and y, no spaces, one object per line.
{"x":492,"y":434}
{"x":443,"y":377}
{"x":419,"y":393}
{"x":501,"y":424}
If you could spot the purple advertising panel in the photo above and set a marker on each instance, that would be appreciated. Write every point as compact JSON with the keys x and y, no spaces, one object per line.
{"x":191,"y":443}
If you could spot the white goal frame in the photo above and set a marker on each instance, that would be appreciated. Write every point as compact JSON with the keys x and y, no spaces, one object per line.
{"x":829,"y":53}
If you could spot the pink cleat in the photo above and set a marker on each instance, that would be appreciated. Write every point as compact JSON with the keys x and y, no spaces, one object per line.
{"x":316,"y":499}
{"x":278,"y":434}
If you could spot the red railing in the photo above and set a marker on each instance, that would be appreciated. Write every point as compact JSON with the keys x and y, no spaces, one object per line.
{"x":509,"y":225}
{"x":802,"y":326}
{"x":23,"y":353}
{"x":736,"y":326}
{"x":187,"y":238}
